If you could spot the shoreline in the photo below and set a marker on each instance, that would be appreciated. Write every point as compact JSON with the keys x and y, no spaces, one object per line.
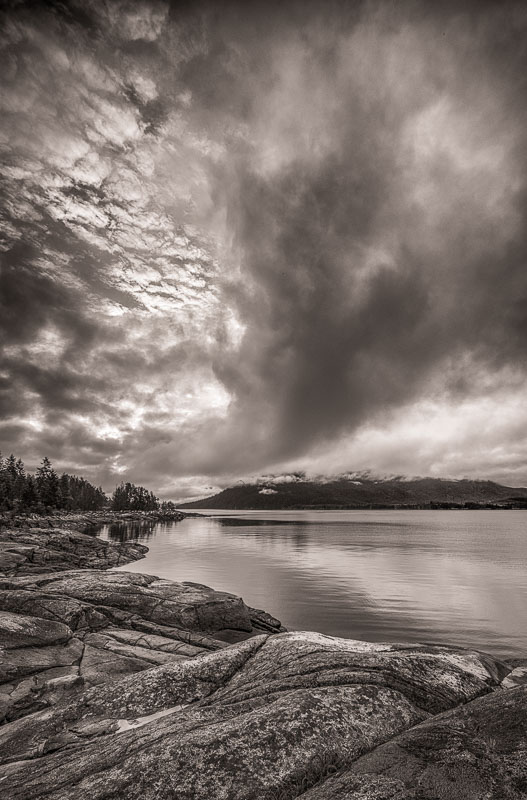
{"x":85,"y":519}
{"x":377,"y":507}
{"x":119,"y":684}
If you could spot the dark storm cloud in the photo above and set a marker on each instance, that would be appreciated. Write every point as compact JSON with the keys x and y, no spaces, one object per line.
{"x":28,"y":300}
{"x":236,"y":234}
{"x":355,"y":291}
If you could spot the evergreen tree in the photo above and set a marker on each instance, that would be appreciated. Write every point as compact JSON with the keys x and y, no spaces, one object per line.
{"x":66,"y":499}
{"x":47,"y":482}
{"x":12,"y":482}
{"x":45,"y":491}
{"x":122,"y":497}
{"x":79,"y":494}
{"x":128,"y":497}
{"x":20,"y":481}
{"x":10,"y":466}
{"x":29,"y":500}
{"x":4,"y":487}
{"x":10,"y":475}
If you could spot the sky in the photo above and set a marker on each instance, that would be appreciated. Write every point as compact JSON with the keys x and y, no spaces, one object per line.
{"x":248,"y":238}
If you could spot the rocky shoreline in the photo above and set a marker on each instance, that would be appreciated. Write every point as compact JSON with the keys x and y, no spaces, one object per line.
{"x":121,"y":685}
{"x":84,"y":520}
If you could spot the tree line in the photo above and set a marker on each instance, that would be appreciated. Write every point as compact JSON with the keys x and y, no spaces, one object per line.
{"x":46,"y":490}
{"x":128,"y":497}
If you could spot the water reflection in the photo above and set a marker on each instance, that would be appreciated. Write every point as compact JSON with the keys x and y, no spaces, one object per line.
{"x":233,"y":522}
{"x":133,"y":531}
{"x":269,"y":533}
{"x":458,"y":577}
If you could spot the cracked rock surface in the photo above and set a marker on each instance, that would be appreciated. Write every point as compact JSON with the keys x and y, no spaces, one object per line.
{"x":63,"y":629}
{"x":37,"y":550}
{"x":475,"y":752}
{"x":264,"y":718}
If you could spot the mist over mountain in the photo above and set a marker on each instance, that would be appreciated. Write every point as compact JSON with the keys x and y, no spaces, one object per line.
{"x":296,"y":492}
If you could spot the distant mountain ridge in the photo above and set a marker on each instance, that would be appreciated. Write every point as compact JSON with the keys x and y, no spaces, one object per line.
{"x":364,"y":492}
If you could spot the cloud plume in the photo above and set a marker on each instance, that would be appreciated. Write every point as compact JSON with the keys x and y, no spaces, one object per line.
{"x":241,"y":240}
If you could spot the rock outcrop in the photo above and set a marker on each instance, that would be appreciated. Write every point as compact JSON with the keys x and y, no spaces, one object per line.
{"x":475,"y":752}
{"x":80,"y":521}
{"x":26,"y":552}
{"x":269,"y":717}
{"x":62,"y":630}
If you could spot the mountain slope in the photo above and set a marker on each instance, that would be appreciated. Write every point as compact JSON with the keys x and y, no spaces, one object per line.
{"x":364,"y":493}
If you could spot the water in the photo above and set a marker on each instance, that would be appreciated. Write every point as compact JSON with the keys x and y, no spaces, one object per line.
{"x":453,"y":577}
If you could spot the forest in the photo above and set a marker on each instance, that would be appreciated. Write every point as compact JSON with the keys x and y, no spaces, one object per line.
{"x":46,"y":490}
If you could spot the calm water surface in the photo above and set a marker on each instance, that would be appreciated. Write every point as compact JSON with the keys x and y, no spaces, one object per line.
{"x":456,"y":577}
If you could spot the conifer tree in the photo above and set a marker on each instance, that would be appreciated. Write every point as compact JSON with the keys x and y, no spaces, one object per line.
{"x":47,"y":482}
{"x":29,"y":498}
{"x":19,"y":484}
{"x":128,"y":497}
{"x":4,"y":487}
{"x":10,"y":475}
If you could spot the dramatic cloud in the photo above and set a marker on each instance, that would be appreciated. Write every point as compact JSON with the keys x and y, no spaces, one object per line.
{"x":239,"y":238}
